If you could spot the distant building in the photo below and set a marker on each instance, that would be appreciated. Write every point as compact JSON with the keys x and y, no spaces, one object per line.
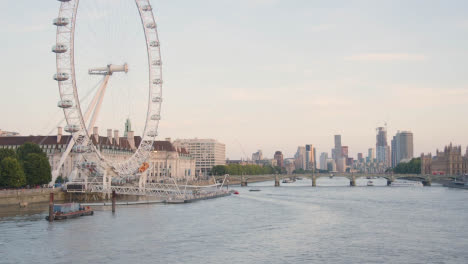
{"x":371,"y":155}
{"x":360,"y":157}
{"x":310,"y":157}
{"x":315,"y":159}
{"x":341,"y":164}
{"x":402,"y":147}
{"x":240,"y":162}
{"x":382,"y":148}
{"x":128,"y":127}
{"x":448,"y":162}
{"x":257,"y":156}
{"x":266,"y":162}
{"x":337,"y":147}
{"x":165,"y":160}
{"x":300,"y":158}
{"x":344,"y":151}
{"x":207,"y":153}
{"x":168,"y":161}
{"x":338,"y":155}
{"x":323,"y":161}
{"x":289,"y":165}
{"x":279,"y":159}
{"x":331,"y":165}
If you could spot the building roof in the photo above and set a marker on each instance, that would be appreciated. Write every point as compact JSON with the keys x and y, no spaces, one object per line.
{"x":102,"y":141}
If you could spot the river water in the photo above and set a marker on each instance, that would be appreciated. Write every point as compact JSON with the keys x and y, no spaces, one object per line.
{"x":291,"y":224}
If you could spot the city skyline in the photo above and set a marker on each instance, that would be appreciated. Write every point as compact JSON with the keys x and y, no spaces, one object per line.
{"x":321,"y":69}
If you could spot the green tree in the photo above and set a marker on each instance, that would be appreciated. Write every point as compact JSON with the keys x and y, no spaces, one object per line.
{"x":11,"y":173}
{"x":37,"y":169}
{"x":28,"y":148}
{"x":412,"y":167}
{"x":219,"y":170}
{"x":59,"y":179}
{"x":5,"y":153}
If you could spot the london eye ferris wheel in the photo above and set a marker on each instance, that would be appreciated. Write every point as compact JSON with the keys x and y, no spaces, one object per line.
{"x":116,"y":43}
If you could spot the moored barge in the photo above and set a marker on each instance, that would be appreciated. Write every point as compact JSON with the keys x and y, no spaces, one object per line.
{"x":70,"y":210}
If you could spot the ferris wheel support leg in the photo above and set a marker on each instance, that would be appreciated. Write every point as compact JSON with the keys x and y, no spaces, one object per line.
{"x":97,"y":109}
{"x":107,"y":180}
{"x":93,"y":102}
{"x":65,"y":154}
{"x":92,"y":106}
{"x":142,"y":181}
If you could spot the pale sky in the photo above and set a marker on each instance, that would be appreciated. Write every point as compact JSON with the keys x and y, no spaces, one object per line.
{"x":256,"y":74}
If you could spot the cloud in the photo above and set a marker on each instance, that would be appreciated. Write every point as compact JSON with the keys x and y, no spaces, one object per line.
{"x":386,"y":57}
{"x":428,"y":97}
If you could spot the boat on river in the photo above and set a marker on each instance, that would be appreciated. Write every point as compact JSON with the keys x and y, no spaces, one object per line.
{"x":456,"y":184}
{"x":70,"y":210}
{"x":288,"y":180}
{"x":402,"y":183}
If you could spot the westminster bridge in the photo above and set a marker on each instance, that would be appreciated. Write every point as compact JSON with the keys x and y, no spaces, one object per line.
{"x":425,"y":179}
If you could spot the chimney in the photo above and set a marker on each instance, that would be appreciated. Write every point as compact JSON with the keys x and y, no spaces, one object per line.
{"x":116,"y":137}
{"x":131,"y":139}
{"x":59,"y":134}
{"x":109,"y":135}
{"x":96,"y":134}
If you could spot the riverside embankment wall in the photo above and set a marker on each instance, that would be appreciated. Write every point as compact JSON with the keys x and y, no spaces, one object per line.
{"x":29,"y":196}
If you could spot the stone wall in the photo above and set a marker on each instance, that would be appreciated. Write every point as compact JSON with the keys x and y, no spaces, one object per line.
{"x":29,"y":196}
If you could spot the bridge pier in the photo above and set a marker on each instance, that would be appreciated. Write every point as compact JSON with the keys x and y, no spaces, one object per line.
{"x":426,"y":183}
{"x":243,"y":181}
{"x":314,"y":180}
{"x":352,"y":182}
{"x":277,"y":181}
{"x":51,"y":207}
{"x":113,"y":201}
{"x":390,"y":180}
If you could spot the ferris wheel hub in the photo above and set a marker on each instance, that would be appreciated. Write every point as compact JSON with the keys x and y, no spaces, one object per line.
{"x":109,"y":69}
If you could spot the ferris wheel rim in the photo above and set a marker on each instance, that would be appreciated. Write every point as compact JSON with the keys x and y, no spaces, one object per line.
{"x":66,"y":79}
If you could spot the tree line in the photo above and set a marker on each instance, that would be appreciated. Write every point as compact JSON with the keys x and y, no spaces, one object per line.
{"x":28,"y":165}
{"x":411,"y":167}
{"x":250,"y":169}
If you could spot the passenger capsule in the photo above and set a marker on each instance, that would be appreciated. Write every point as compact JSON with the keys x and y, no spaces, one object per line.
{"x":80,"y":149}
{"x":157,"y":99}
{"x":61,"y":21}
{"x":156,"y":117}
{"x":157,"y":62}
{"x":88,"y":165}
{"x":154,"y":43}
{"x":72,"y":128}
{"x":146,"y":8}
{"x":65,"y":103}
{"x":61,"y":76}
{"x":157,"y":81}
{"x":152,"y":133}
{"x":59,"y":48}
{"x":151,"y":25}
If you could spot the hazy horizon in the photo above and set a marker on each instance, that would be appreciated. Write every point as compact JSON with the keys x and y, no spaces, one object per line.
{"x":270,"y":74}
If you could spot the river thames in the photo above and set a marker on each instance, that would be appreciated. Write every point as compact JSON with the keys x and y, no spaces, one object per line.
{"x":295,"y":223}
